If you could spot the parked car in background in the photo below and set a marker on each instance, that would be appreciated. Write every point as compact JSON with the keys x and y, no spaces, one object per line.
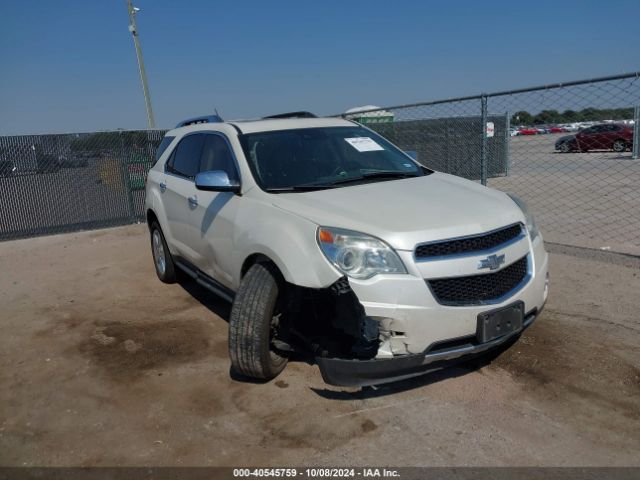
{"x":556,"y":129}
{"x":529,"y":131}
{"x":607,"y":136}
{"x":47,"y":163}
{"x":72,"y":161}
{"x":6,"y":168}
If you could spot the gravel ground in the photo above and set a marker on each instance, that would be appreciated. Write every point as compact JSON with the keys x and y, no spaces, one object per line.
{"x":101,"y":364}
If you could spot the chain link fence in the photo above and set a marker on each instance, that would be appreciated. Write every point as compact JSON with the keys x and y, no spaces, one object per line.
{"x":570,"y":150}
{"x":61,"y":183}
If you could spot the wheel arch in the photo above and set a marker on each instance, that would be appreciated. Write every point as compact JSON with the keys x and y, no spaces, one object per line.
{"x":255,"y":258}
{"x":151,"y":217}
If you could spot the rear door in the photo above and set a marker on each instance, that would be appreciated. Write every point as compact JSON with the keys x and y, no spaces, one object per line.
{"x":213,"y":218}
{"x":179,"y":191}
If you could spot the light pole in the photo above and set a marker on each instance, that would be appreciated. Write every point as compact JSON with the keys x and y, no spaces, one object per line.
{"x":143,"y":74}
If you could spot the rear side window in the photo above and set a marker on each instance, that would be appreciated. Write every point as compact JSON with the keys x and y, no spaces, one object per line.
{"x":162,"y":147}
{"x":216,"y":155}
{"x":185,"y":160}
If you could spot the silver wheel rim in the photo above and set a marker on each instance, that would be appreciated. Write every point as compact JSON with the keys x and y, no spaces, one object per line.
{"x":618,"y":146}
{"x":158,"y":252}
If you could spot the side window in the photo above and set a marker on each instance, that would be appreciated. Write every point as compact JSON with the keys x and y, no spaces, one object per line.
{"x":186,"y":156}
{"x":216,"y":155}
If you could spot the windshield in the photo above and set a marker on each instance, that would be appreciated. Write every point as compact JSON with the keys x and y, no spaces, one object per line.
{"x":317,"y":158}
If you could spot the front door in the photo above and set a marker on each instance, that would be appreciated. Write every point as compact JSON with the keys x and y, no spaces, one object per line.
{"x":179,"y":193}
{"x":213,"y":217}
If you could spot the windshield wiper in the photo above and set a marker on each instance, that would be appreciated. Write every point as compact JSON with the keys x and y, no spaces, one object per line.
{"x":373,"y":175}
{"x":300,"y":188}
{"x":309,"y":187}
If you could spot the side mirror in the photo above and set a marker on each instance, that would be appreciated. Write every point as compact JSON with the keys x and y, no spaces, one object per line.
{"x":216,"y":181}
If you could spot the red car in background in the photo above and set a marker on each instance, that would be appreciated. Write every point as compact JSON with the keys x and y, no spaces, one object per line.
{"x":608,"y":136}
{"x":529,"y":131}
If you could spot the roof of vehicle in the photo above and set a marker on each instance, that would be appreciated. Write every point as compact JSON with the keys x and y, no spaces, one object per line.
{"x":265,"y":125}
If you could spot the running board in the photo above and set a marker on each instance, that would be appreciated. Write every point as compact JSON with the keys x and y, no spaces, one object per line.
{"x":205,"y":280}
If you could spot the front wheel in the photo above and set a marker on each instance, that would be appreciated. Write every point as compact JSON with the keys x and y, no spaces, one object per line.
{"x":565,"y":148}
{"x":253,"y":324}
{"x":619,"y":146}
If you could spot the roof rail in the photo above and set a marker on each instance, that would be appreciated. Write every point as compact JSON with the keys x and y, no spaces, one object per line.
{"x":293,"y":115}
{"x":196,"y":120}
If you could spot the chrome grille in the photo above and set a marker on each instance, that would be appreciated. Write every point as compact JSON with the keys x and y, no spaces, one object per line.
{"x":479,"y":289}
{"x":475,"y":243}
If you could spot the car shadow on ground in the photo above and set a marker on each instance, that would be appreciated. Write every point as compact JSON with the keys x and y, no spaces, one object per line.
{"x":452,"y":370}
{"x":209,"y":300}
{"x":222,"y":309}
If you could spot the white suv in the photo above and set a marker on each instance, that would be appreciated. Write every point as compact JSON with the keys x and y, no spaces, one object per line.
{"x":329,"y":240}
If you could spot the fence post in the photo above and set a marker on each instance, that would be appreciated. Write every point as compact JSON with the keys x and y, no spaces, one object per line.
{"x":507,"y":139}
{"x":483,"y":158}
{"x":636,"y":131}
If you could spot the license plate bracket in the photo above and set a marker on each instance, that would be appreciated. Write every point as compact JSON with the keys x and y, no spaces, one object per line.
{"x":500,"y":322}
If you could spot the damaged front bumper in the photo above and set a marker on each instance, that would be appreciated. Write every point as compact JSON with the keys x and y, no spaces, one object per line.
{"x":360,"y":373}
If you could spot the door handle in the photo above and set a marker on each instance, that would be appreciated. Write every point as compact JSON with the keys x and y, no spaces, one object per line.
{"x":193,"y":201}
{"x":163,"y":187}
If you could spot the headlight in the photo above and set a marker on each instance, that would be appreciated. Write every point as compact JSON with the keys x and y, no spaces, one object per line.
{"x":530,"y":221}
{"x":358,"y":255}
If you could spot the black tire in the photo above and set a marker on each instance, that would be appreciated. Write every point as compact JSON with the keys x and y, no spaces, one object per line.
{"x":565,"y":147}
{"x":250,"y":325}
{"x":166,"y":269}
{"x":619,"y":146}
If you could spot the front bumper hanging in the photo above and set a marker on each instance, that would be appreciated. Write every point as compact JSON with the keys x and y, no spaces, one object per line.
{"x":361,"y":373}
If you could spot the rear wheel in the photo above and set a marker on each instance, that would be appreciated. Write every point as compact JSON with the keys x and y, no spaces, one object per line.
{"x":254,"y":323}
{"x":162,"y":259}
{"x":619,"y":146}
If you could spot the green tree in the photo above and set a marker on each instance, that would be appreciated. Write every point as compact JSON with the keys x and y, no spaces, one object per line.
{"x":547,"y":116}
{"x":522,"y":118}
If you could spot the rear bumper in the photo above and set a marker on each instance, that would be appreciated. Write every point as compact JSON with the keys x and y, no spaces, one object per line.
{"x":360,"y":373}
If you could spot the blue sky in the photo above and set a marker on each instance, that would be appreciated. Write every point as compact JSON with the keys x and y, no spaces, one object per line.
{"x":69,"y":65}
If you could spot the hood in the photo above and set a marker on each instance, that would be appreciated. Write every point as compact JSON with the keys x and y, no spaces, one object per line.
{"x":409,"y":211}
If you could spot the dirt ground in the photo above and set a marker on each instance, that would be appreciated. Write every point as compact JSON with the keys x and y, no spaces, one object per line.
{"x":101,"y":364}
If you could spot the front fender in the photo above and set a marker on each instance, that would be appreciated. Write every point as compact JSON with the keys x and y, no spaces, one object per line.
{"x":288,"y":240}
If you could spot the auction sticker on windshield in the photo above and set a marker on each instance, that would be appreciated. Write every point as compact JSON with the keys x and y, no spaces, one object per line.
{"x":363,"y":144}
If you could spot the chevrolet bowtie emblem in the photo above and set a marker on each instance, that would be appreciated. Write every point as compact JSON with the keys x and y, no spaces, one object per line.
{"x":492,"y":262}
